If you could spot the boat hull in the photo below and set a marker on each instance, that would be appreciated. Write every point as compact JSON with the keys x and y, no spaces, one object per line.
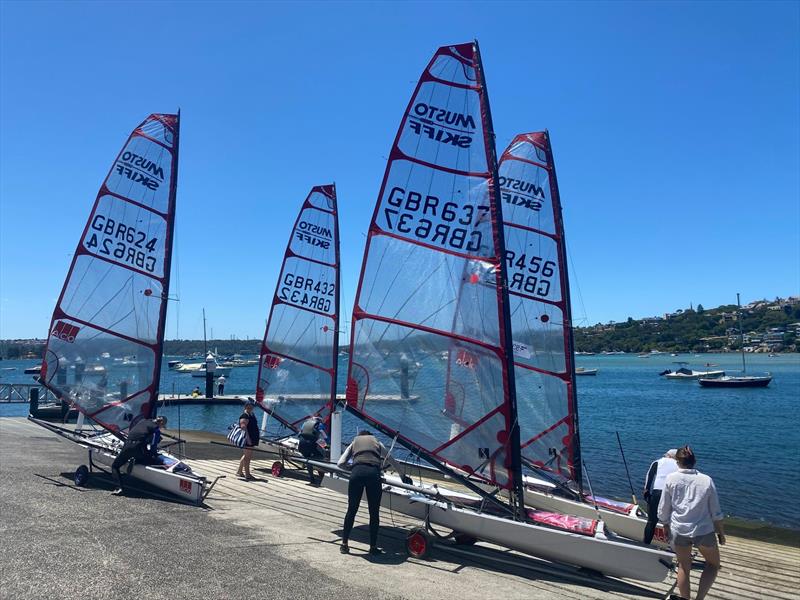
{"x":609,"y":557}
{"x":724,"y":382}
{"x":189,"y":487}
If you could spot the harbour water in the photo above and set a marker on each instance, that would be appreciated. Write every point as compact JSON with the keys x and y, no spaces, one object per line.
{"x":748,"y":440}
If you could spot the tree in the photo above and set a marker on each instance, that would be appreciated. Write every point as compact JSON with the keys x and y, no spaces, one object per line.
{"x":700,"y":309}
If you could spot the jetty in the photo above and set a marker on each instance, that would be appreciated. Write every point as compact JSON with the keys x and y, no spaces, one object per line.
{"x":275,"y":537}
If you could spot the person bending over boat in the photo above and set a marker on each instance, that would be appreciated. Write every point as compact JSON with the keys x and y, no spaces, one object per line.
{"x":369,"y":457}
{"x":653,"y":486}
{"x":691,"y":515}
{"x":141,"y":446}
{"x":311,"y":433}
{"x":252,"y":440}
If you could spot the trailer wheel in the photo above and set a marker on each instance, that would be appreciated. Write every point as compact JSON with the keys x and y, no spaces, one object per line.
{"x":418,"y":543}
{"x":81,"y":475}
{"x":462,"y":539}
{"x":277,"y":469}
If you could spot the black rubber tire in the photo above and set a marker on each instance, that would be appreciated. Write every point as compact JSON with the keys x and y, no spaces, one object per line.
{"x":81,"y":477}
{"x":418,"y":543}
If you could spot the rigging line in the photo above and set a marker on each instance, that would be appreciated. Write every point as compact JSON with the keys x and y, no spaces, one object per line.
{"x":80,"y":283}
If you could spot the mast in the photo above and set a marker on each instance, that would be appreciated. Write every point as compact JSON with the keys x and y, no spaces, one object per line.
{"x":517,"y":492}
{"x":741,"y":333}
{"x":577,"y":461}
{"x":205,"y":341}
{"x":173,"y":192}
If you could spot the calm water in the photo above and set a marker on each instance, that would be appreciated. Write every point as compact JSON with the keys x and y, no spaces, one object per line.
{"x":748,"y":440}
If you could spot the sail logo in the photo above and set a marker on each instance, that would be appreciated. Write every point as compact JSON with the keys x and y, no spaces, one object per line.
{"x":65,"y":331}
{"x":316,"y":235}
{"x":442,"y":125}
{"x":465,"y":359}
{"x":521,"y":193}
{"x":186,"y":486}
{"x":140,"y":170}
{"x":272,"y":362}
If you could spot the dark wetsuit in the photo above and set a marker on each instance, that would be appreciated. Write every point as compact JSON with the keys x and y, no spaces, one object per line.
{"x":252,"y":429}
{"x":144,"y":432}
{"x":367,"y":454}
{"x":309,"y":443}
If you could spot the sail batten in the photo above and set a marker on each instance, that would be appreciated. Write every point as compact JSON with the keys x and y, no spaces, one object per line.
{"x":299,"y":353}
{"x":106,"y":336}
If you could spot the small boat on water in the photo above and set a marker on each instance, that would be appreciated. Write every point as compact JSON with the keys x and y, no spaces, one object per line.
{"x":684,"y":373}
{"x":743,"y":380}
{"x":582,"y":371}
{"x":33,"y":370}
{"x":730,"y":381}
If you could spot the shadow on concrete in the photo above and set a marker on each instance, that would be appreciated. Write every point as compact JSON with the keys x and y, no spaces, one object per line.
{"x":450,"y":556}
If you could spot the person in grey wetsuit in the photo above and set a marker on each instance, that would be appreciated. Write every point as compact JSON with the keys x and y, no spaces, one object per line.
{"x":369,"y":457}
{"x":146,"y":432}
{"x":309,"y":437}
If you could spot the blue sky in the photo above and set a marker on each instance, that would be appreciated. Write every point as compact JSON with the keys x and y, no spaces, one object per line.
{"x":675,"y":128}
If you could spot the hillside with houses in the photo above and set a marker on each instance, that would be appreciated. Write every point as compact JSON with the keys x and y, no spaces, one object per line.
{"x":768,"y":326}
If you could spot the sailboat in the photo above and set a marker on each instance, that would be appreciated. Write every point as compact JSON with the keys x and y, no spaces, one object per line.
{"x":743,"y":380}
{"x":543,"y":349}
{"x":433,"y":282}
{"x":299,"y":354}
{"x":112,"y":310}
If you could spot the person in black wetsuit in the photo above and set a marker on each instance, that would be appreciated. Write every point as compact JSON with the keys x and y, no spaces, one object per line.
{"x":310,"y":434}
{"x":369,"y":456}
{"x":146,"y":432}
{"x":654,"y":486}
{"x":253,"y":438}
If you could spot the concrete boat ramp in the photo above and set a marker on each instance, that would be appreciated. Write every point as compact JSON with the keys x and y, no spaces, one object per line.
{"x":271,"y":538}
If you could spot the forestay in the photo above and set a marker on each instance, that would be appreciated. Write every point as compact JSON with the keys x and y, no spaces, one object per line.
{"x":539,"y":306}
{"x":428,"y":338}
{"x":297,"y":370}
{"x":105,"y":343}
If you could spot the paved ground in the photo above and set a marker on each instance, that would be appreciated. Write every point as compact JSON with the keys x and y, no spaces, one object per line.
{"x":267,"y":539}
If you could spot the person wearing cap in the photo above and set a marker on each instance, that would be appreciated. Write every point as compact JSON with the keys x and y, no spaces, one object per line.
{"x":141,"y":446}
{"x":653,"y":487}
{"x":692,"y":516}
{"x":248,"y":421}
{"x":312,"y":438}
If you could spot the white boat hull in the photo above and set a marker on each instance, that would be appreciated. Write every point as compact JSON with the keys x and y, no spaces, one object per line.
{"x":609,"y":557}
{"x":190,"y":486}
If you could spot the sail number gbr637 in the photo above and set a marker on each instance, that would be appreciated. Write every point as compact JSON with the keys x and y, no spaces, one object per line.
{"x":107,"y":237}
{"x":428,"y":219}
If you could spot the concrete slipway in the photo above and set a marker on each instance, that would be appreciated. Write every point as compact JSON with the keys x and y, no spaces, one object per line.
{"x":273,"y":538}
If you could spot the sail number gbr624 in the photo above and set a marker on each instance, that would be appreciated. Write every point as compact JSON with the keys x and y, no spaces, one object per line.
{"x":428,"y":219}
{"x":107,"y":237}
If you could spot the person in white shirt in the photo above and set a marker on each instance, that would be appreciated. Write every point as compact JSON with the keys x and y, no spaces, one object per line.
{"x":691,"y":515}
{"x":653,"y":486}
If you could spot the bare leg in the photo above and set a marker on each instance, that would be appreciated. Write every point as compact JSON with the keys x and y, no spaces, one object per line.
{"x":711,"y":554}
{"x":247,"y":456}
{"x":684,"y":555}
{"x":239,"y":471}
